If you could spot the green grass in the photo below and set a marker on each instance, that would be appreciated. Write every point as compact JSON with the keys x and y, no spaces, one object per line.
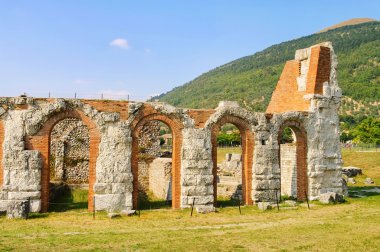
{"x":352,"y":226}
{"x":221,"y":153}
{"x":368,"y":161}
{"x":70,"y":200}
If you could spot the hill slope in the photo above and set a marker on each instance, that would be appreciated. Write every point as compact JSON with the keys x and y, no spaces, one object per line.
{"x":353,"y":21}
{"x":251,"y":80}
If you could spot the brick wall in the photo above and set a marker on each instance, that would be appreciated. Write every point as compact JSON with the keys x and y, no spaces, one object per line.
{"x":200,"y":116}
{"x":247,"y":154}
{"x":148,"y":113}
{"x":301,"y":156}
{"x":286,"y":96}
{"x":41,"y":142}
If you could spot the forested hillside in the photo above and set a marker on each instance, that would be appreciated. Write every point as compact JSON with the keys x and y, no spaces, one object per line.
{"x":251,"y":80}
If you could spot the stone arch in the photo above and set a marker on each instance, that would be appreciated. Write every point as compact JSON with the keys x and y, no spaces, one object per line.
{"x":301,"y":154}
{"x":41,"y":142}
{"x":247,"y":153}
{"x":176,"y":127}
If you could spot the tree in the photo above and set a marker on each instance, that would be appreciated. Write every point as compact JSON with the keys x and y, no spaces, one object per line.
{"x":368,"y":131}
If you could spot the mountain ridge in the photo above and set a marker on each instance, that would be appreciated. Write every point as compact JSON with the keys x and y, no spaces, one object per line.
{"x":250,"y":80}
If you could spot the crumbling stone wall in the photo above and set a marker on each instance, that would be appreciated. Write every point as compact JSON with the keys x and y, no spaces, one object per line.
{"x":69,"y":152}
{"x":149,"y":139}
{"x":114,"y":128}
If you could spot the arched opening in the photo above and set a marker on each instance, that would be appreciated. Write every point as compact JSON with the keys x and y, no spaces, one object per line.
{"x":233,"y":175}
{"x":42,"y":142}
{"x":156,"y":162}
{"x":292,"y":160}
{"x":229,"y":166}
{"x":154,"y":166}
{"x":69,"y":165}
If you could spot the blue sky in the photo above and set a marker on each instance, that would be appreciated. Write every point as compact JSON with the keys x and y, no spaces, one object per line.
{"x":144,"y":48}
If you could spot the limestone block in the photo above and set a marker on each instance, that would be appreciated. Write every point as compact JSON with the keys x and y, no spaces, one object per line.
{"x":3,"y":205}
{"x":331,"y":197}
{"x":23,"y":195}
{"x":118,"y":188}
{"x":205,"y":209}
{"x":195,"y":190}
{"x":17,"y":209}
{"x":205,"y":180}
{"x":200,"y":200}
{"x":35,"y":206}
{"x":127,"y":212}
{"x":128,"y":201}
{"x":264,"y":205}
{"x":102,"y":188}
{"x":109,"y":202}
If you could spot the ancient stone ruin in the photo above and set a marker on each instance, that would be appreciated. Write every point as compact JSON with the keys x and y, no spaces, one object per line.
{"x":96,"y":142}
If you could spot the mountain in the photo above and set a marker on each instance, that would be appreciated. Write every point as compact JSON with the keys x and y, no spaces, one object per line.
{"x":352,"y":21}
{"x":251,"y":80}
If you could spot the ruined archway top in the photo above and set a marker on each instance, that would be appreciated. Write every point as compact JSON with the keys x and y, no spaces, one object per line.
{"x":229,"y":108}
{"x":140,"y":110}
{"x":37,"y":115}
{"x":285,"y":119}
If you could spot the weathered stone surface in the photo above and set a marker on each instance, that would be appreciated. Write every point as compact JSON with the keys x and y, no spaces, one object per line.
{"x":127,"y":212}
{"x":331,"y":197}
{"x":18,"y":209}
{"x":264,"y":205}
{"x":205,"y":209}
{"x":369,"y":181}
{"x":351,"y":180}
{"x":351,"y":171}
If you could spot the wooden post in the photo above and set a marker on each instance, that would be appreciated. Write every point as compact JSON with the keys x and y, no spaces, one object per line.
{"x":278,"y":207}
{"x":192,"y":207}
{"x":93,"y":207}
{"x":307,"y":200}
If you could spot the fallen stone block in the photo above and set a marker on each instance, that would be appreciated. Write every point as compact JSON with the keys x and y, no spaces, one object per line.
{"x":331,"y":197}
{"x":205,"y":209}
{"x":264,"y":205}
{"x":369,"y":181}
{"x":351,"y":181}
{"x":351,"y":171}
{"x":18,"y":209}
{"x":127,"y":212}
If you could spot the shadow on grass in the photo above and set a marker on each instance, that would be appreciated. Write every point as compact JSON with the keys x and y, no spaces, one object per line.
{"x":147,"y":201}
{"x":38,"y":215}
{"x":363,"y":191}
{"x":227,"y":202}
{"x":70,"y":200}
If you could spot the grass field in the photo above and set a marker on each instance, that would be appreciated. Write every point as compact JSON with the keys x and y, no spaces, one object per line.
{"x":352,"y":226}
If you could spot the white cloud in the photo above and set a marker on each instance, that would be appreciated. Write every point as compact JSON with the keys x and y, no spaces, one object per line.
{"x":148,"y":50}
{"x":121,"y":43}
{"x":114,"y":94}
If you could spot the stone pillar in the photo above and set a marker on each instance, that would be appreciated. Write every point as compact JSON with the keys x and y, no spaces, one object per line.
{"x":196,"y":169}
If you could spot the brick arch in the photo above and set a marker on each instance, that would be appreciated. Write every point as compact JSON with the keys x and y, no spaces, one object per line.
{"x":41,"y":142}
{"x":247,"y":154}
{"x":176,"y":127}
{"x":301,"y":155}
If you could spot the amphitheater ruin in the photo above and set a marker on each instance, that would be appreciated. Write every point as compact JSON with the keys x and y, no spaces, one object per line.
{"x":96,"y":143}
